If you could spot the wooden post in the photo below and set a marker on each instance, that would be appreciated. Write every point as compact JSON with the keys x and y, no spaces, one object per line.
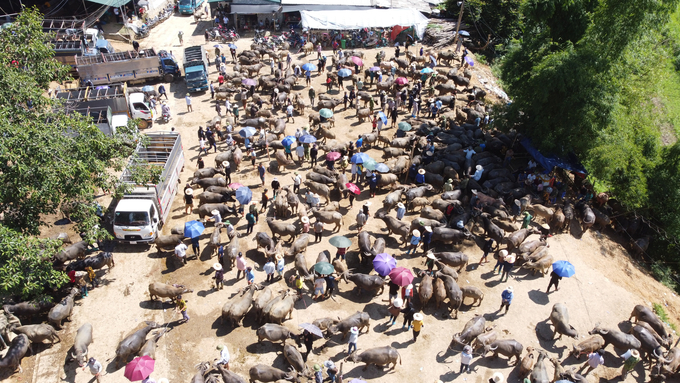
{"x":460,"y":18}
{"x":410,"y":159}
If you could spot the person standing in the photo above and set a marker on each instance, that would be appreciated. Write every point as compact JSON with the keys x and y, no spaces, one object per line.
{"x":182,"y":308}
{"x":289,"y":113}
{"x":507,"y":266}
{"x":330,"y":285}
{"x":188,"y":201}
{"x":353,"y":337}
{"x":414,"y":242}
{"x":554,"y":281}
{"x":595,"y":359}
{"x":361,"y":220}
{"x":501,"y":259}
{"x":407,"y":293}
{"x":161,"y":92}
{"x":312,"y":95}
{"x":269,"y":269}
{"x":488,"y":247}
{"x":250,"y":218}
{"x":253,"y":156}
{"x":408,"y":312}
{"x":212,"y":90}
{"x":308,"y":340}
{"x":240,"y":266}
{"x":180,"y":36}
{"x":219,"y":276}
{"x":280,"y":265}
{"x":526,"y":220}
{"x":417,"y":325}
{"x":300,"y":152}
{"x":318,"y":230}
{"x":181,"y":251}
{"x":95,"y":368}
{"x":331,"y":370}
{"x":187,"y":98}
{"x":394,"y":309}
{"x":506,"y":298}
{"x":224,"y":356}
{"x":250,"y":275}
{"x":265,"y":198}
{"x":195,"y":245}
{"x":465,"y":358}
{"x":275,"y":186}
{"x":261,"y":172}
{"x":373,"y":184}
{"x":427,"y":238}
{"x":401,"y":210}
{"x":199,"y":163}
{"x":305,"y":224}
{"x":632,"y":358}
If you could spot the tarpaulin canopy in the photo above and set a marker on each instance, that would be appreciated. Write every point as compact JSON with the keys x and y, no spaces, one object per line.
{"x":246,"y":9}
{"x":373,"y":18}
{"x":111,"y":3}
{"x":550,"y":161}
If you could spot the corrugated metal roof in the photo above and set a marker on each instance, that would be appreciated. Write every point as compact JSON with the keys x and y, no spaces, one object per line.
{"x":356,"y":3}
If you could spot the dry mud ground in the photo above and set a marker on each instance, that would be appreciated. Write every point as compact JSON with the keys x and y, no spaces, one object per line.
{"x":604,"y":290}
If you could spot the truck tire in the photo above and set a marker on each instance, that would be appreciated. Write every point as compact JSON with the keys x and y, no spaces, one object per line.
{"x":168,"y":77}
{"x":143,"y":124}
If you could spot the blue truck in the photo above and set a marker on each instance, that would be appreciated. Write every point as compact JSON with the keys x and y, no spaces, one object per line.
{"x":188,"y":7}
{"x":195,"y":69}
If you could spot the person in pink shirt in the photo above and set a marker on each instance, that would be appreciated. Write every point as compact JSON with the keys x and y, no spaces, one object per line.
{"x":240,"y":265}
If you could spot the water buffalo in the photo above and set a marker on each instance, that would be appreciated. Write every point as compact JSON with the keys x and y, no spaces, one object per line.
{"x":233,"y":249}
{"x":473,"y":292}
{"x":263,"y":373}
{"x":28,"y":309}
{"x":473,"y":328}
{"x":370,"y":283}
{"x":559,"y":317}
{"x":540,"y":372}
{"x":619,"y":339}
{"x":96,"y":262}
{"x":207,"y":182}
{"x":207,"y":172}
{"x":515,"y":239}
{"x":81,"y":343}
{"x":415,"y":192}
{"x":299,"y":246}
{"x":234,"y":311}
{"x":454,"y":293}
{"x":168,"y":242}
{"x":17,"y":351}
{"x":275,"y":333}
{"x":320,"y":178}
{"x":527,"y":363}
{"x":588,"y":217}
{"x":358,"y":319}
{"x":492,"y":230}
{"x":446,"y":270}
{"x":37,"y":333}
{"x":394,"y":225}
{"x":206,"y":209}
{"x":380,"y":356}
{"x":162,"y":290}
{"x":77,"y":250}
{"x":133,"y":343}
{"x":63,"y":309}
{"x":439,"y":292}
{"x":319,"y":188}
{"x":228,"y":376}
{"x":484,"y":339}
{"x":333,"y":217}
{"x":453,"y":259}
{"x":283,"y":308}
{"x":281,"y":228}
{"x":294,"y":358}
{"x":588,"y":345}
{"x":649,"y":345}
{"x":266,"y":242}
{"x":668,"y":365}
{"x":425,"y":290}
{"x":149,"y":348}
{"x":212,"y":198}
{"x":507,"y":347}
{"x":392,"y":199}
{"x":448,"y":235}
{"x":642,"y":313}
{"x":542,"y":264}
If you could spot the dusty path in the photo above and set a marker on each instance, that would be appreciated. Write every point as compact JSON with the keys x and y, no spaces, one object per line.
{"x":604,"y":289}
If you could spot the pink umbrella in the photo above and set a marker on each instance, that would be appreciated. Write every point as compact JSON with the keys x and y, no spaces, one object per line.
{"x":401,"y":80}
{"x":353,"y":188}
{"x":357,"y":61}
{"x":401,"y":276}
{"x":140,"y":368}
{"x":332,"y":156}
{"x":235,"y":185}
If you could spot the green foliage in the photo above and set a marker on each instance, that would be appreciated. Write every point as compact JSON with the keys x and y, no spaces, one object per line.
{"x":664,"y":190}
{"x":661,"y":312}
{"x":25,"y":267}
{"x":501,"y":18}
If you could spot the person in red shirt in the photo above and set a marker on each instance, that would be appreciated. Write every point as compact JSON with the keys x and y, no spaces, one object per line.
{"x":220,"y":79}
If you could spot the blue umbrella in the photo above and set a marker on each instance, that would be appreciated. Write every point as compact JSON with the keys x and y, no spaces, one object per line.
{"x":248,"y":131}
{"x":309,"y":67}
{"x":193,"y":229}
{"x":308,"y":139}
{"x":147,"y":88}
{"x":433,"y":60}
{"x":359,"y":158}
{"x":464,"y":33}
{"x":383,"y":117}
{"x":382,"y":168}
{"x":344,"y":72}
{"x":288,"y":141}
{"x":564,"y":269}
{"x":426,"y":70}
{"x":244,"y":195}
{"x":232,"y":46}
{"x":218,"y":46}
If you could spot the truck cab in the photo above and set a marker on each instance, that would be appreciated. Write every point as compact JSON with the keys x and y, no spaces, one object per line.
{"x":139,"y":108}
{"x":188,"y":7}
{"x":195,"y":78}
{"x":136,"y":221}
{"x":104,"y":46}
{"x":169,"y":64}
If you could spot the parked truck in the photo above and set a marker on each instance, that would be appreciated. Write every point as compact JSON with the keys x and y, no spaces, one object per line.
{"x":195,"y":69}
{"x":103,"y":117}
{"x":188,"y":7}
{"x":130,"y":66}
{"x":122,"y":102}
{"x":140,"y":214}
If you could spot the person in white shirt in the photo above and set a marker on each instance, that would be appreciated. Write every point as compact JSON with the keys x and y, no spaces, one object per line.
{"x":478,"y":173}
{"x":181,"y":251}
{"x":224,"y":356}
{"x":531,"y":164}
{"x":469,"y":152}
{"x":300,"y":151}
{"x":289,"y":113}
{"x":188,"y":100}
{"x":269,"y":269}
{"x":297,"y":180}
{"x":298,"y":134}
{"x":95,"y":368}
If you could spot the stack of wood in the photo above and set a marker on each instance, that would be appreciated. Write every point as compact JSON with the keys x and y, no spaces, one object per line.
{"x":440,"y":33}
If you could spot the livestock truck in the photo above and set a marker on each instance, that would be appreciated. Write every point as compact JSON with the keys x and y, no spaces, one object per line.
{"x":188,"y":7}
{"x":123,"y":103}
{"x":195,"y":69}
{"x":142,"y":212}
{"x":129,"y":66}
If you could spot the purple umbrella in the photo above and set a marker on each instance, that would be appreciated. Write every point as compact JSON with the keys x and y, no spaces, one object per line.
{"x":469,"y":61}
{"x":383,"y":263}
{"x":249,"y":82}
{"x":374,"y":69}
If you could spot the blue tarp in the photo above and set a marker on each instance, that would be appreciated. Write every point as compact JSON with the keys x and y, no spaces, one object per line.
{"x":550,"y":161}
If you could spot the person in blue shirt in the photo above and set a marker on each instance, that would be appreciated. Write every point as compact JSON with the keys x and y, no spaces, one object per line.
{"x":427,"y":238}
{"x":360,"y":142}
{"x":250,"y":276}
{"x":420,"y":177}
{"x":415,"y":241}
{"x":506,"y":297}
{"x":412,"y":171}
{"x":373,"y":184}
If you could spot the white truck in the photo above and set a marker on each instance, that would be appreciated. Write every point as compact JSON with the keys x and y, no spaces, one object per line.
{"x":140,"y":214}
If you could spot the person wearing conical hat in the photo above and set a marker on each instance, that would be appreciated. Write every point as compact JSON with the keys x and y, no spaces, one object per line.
{"x":219,"y":276}
{"x":506,"y":298}
{"x":417,"y":325}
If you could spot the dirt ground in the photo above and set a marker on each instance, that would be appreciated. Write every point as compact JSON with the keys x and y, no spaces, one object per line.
{"x":604,"y":290}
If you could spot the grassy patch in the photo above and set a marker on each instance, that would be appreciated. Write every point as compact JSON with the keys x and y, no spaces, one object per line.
{"x":661,"y":312}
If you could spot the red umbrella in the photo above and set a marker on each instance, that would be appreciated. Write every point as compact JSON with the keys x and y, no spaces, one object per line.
{"x":401,"y":276}
{"x":235,"y":185}
{"x":139,"y":369}
{"x":401,"y":80}
{"x":353,"y":188}
{"x":357,"y":61}
{"x":332,"y":156}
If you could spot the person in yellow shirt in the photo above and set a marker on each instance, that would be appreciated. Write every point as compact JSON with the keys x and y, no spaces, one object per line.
{"x":182,"y":308}
{"x":417,"y":325}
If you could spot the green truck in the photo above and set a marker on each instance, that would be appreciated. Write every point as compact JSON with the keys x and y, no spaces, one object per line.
{"x":195,"y":69}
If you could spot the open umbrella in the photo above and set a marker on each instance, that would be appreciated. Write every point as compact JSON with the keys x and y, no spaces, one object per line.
{"x":193,"y":229}
{"x":401,"y":276}
{"x":332,"y":156}
{"x":359,"y":158}
{"x":344,"y":72}
{"x":433,"y":60}
{"x":140,"y":368}
{"x":246,"y":132}
{"x":340,"y":241}
{"x":244,"y":195}
{"x":383,"y":263}
{"x":312,"y":329}
{"x":426,"y":70}
{"x":564,"y":269}
{"x":370,"y":164}
{"x":383,"y":117}
{"x":326,"y":113}
{"x":307,"y":139}
{"x":249,"y":82}
{"x":357,"y":61}
{"x":324,"y":268}
{"x":464,"y":33}
{"x":401,"y":80}
{"x":232,"y":46}
{"x":235,"y":185}
{"x":374,"y":69}
{"x":147,"y":88}
{"x":309,"y":67}
{"x":382,"y":168}
{"x":353,"y":188}
{"x":405,"y":126}
{"x":288,"y":140}
{"x":217,"y":46}
{"x":469,"y":61}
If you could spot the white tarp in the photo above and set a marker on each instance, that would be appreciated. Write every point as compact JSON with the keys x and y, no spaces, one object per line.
{"x":373,"y":18}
